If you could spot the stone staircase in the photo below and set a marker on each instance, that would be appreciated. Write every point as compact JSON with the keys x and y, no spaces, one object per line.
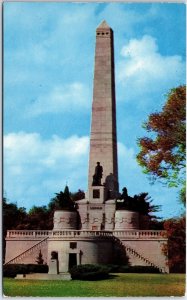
{"x":27,"y":252}
{"x":138,"y":255}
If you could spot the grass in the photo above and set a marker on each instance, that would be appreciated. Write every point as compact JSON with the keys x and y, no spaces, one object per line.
{"x":120,"y":285}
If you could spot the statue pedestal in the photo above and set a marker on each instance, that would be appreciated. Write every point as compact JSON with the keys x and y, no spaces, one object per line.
{"x":53,"y":267}
{"x":97,"y":194}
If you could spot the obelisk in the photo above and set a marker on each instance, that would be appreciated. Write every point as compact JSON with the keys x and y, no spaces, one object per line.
{"x":103,"y":140}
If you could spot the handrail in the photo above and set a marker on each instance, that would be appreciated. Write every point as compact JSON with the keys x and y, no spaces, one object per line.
{"x":25,"y":251}
{"x":137,"y":254}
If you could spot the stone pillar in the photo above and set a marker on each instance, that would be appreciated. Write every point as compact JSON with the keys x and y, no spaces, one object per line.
{"x":103,"y":141}
{"x":53,"y":267}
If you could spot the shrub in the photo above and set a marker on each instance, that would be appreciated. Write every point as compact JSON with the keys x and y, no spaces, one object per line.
{"x":89,"y":272}
{"x":12,"y":270}
{"x":143,"y":269}
{"x":112,"y":268}
{"x":131,"y":269}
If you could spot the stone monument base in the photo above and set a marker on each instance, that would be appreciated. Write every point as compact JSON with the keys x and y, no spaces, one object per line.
{"x":53,"y":267}
{"x":44,"y":276}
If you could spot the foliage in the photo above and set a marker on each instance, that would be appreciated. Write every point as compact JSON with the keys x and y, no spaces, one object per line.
{"x":140,"y":203}
{"x":39,"y":258}
{"x":37,"y":218}
{"x":12,"y":217}
{"x":78,"y":195}
{"x":176,"y":244}
{"x":156,"y":225}
{"x":131,"y":269}
{"x":62,"y":201}
{"x":163,"y":155}
{"x":118,"y":285}
{"x":89,"y":272}
{"x":11,"y":270}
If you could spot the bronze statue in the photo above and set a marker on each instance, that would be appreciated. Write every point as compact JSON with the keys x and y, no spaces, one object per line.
{"x":124,"y":194}
{"x":54,"y":255}
{"x":98,"y":174}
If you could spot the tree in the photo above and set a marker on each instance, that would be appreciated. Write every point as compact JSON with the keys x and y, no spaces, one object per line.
{"x":176,"y":244}
{"x":38,"y":218}
{"x":163,"y":154}
{"x":140,"y":203}
{"x":62,"y":201}
{"x":78,"y":195}
{"x":12,"y":217}
{"x":39,"y":258}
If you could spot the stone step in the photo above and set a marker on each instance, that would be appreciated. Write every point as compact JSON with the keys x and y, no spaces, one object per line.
{"x":44,"y":276}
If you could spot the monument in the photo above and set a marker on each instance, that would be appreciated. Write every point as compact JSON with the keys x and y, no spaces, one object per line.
{"x":97,"y":232}
{"x":103,"y":139}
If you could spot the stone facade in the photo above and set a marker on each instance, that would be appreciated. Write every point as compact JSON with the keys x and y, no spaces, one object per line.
{"x":139,"y":247}
{"x":97,"y":232}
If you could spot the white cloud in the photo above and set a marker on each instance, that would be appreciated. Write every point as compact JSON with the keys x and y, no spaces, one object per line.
{"x":122,"y":16}
{"x":127,"y":157}
{"x":143,"y":70}
{"x":129,"y":171}
{"x":67,"y":98}
{"x":29,"y":160}
{"x":36,"y":168}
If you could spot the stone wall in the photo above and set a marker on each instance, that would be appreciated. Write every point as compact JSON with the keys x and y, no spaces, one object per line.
{"x":90,"y":251}
{"x":125,"y":220}
{"x":140,"y":247}
{"x":17,"y":246}
{"x":65,"y":220}
{"x":152,"y":251}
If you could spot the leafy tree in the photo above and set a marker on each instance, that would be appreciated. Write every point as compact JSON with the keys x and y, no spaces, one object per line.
{"x":12,"y":217}
{"x":78,"y":195}
{"x":140,"y":203}
{"x":156,"y":224}
{"x":39,"y":258}
{"x":62,"y":201}
{"x":39,"y":217}
{"x":163,"y":154}
{"x":176,"y":244}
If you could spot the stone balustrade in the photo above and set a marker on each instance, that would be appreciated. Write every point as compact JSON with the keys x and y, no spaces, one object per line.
{"x":121,"y":234}
{"x":81,"y":233}
{"x":28,"y":233}
{"x":140,"y":234}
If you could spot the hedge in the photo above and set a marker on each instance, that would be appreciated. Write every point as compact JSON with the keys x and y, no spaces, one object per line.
{"x":131,"y":269}
{"x":89,"y":272}
{"x":11,"y":270}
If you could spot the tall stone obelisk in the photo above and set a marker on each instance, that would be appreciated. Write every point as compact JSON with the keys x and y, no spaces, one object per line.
{"x":103,"y":140}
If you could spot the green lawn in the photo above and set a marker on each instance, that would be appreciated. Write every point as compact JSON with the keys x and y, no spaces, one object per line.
{"x":120,"y":285}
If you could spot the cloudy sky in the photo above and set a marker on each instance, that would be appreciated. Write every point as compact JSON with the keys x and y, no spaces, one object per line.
{"x":48,"y":81}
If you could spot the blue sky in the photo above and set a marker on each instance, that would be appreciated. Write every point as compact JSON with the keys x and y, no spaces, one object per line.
{"x":48,"y":81}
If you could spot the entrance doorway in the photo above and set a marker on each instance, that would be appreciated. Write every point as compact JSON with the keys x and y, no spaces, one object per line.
{"x":72,"y":260}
